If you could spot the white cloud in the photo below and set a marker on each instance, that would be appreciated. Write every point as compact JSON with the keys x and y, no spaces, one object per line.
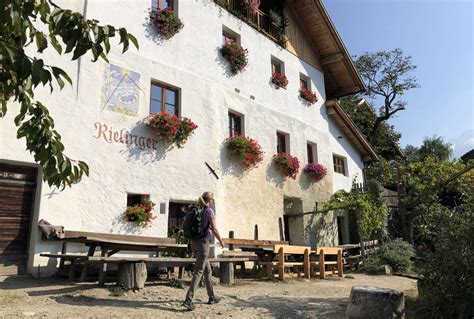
{"x":463,"y":143}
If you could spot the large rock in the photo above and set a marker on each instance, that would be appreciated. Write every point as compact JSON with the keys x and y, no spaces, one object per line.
{"x":377,"y":303}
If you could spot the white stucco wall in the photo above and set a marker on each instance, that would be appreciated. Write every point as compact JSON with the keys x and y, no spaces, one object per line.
{"x":190,"y":61}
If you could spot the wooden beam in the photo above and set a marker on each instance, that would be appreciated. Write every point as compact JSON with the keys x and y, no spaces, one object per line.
{"x":331,"y":58}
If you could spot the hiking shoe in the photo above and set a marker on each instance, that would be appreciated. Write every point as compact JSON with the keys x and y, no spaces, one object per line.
{"x":188,"y":305}
{"x":213,"y":300}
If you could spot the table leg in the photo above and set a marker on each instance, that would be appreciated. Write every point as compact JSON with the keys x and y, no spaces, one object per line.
{"x":86,"y":265}
{"x":61,"y":263}
{"x":103,"y":267}
{"x":71,"y":269}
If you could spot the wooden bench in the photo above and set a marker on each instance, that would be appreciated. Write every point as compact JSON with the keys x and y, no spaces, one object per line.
{"x":328,"y":267}
{"x":161,"y":261}
{"x":282,"y":263}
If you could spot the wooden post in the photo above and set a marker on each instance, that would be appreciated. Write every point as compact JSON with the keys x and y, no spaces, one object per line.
{"x":85,"y":266}
{"x":255,"y":232}
{"x":102,"y":267}
{"x":61,"y":263}
{"x":281,"y":264}
{"x":269,"y":266}
{"x":226,"y":274}
{"x":340,"y":266}
{"x":322,"y":267}
{"x":306,"y":263}
{"x":132,"y":275}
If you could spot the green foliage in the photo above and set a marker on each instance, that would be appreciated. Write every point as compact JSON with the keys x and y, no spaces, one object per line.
{"x":388,"y":75}
{"x":385,"y":140}
{"x":396,"y":254}
{"x":20,"y":74}
{"x":432,"y":146}
{"x":245,"y":149}
{"x":447,"y":260}
{"x":176,"y":283}
{"x":236,"y":55}
{"x":371,"y":213}
{"x":117,"y":290}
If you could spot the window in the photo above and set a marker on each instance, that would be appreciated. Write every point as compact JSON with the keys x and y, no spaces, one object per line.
{"x":282,"y":145}
{"x":164,"y":98}
{"x":304,"y":82}
{"x":311,"y":150}
{"x":277,"y":66}
{"x":235,"y":124}
{"x":162,"y":4}
{"x":229,"y":35}
{"x":134,"y":199}
{"x":339,"y":164}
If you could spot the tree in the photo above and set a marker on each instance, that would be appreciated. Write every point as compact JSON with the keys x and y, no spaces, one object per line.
{"x":386,"y":138}
{"x":24,"y":23}
{"x":434,"y":146}
{"x":388,"y":75}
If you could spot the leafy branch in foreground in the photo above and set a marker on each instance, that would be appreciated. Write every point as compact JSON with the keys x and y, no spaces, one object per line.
{"x":20,"y":74}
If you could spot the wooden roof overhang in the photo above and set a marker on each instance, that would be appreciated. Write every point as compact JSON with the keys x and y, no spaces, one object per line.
{"x":340,"y":75}
{"x":349,"y":128}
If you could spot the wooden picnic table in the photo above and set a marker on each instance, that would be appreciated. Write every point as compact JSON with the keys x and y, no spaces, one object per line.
{"x":110,"y":247}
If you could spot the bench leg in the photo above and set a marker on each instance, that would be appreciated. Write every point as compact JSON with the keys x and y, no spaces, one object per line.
{"x":227,"y":273}
{"x":269,"y":267}
{"x":71,"y":269}
{"x":103,"y":268}
{"x":86,"y":265}
{"x":181,"y":273}
{"x":61,"y":263}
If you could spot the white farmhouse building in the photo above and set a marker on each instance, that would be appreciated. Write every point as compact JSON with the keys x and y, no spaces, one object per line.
{"x":101,"y":121}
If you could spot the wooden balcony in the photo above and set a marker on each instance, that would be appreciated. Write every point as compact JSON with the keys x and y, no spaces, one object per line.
{"x":258,"y":20}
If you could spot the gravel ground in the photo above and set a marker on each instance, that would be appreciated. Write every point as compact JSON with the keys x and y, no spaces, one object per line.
{"x":24,"y":296}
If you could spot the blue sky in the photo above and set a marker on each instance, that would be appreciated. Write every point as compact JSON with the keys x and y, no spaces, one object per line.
{"x":439,"y":37}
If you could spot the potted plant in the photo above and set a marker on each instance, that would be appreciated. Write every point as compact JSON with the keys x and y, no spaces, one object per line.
{"x":245,"y":149}
{"x":236,"y":55}
{"x":279,"y":80}
{"x":166,"y":23}
{"x":315,"y":171}
{"x":275,"y":17}
{"x":171,"y":129}
{"x":141,"y":214}
{"x":308,"y":95}
{"x":287,"y":164}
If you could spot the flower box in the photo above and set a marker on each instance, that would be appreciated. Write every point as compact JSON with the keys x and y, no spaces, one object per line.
{"x":279,"y":80}
{"x":236,"y":56}
{"x":245,"y":149}
{"x":287,"y":164}
{"x":308,"y":95}
{"x":141,"y":214}
{"x":171,"y":129}
{"x":315,"y":171}
{"x":166,"y":23}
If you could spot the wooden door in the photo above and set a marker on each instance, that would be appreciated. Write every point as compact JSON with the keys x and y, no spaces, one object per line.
{"x":17,"y":193}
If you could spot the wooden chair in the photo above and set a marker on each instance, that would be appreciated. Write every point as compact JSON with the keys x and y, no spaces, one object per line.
{"x":281,"y":264}
{"x":325,"y":267}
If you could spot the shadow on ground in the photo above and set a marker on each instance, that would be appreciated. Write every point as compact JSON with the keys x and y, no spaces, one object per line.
{"x":291,"y":307}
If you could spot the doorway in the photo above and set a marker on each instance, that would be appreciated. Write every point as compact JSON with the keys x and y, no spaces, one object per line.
{"x":17,"y":195}
{"x":293,"y":222}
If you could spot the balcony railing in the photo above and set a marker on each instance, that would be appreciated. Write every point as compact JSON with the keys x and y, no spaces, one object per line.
{"x":257,"y":19}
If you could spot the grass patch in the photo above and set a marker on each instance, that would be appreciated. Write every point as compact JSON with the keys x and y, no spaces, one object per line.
{"x":117,"y":291}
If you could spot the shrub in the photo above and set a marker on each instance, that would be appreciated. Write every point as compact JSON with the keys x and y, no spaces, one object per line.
{"x":140,"y":213}
{"x":396,"y":254}
{"x":245,"y":149}
{"x":446,"y":264}
{"x":166,"y":23}
{"x":288,"y":165}
{"x":316,"y":171}
{"x":279,"y":80}
{"x":236,"y":56}
{"x":308,"y":95}
{"x":171,"y":129}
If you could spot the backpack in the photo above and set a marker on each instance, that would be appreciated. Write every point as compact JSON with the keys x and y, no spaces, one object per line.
{"x":192,"y":226}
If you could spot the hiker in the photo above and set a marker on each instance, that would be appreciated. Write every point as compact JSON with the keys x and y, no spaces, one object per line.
{"x":200,"y":246}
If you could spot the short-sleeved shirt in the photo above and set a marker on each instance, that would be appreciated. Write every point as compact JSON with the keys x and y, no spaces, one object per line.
{"x":208,"y":215}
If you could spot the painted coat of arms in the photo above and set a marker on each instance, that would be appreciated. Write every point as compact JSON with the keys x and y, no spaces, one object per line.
{"x":121,"y":90}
